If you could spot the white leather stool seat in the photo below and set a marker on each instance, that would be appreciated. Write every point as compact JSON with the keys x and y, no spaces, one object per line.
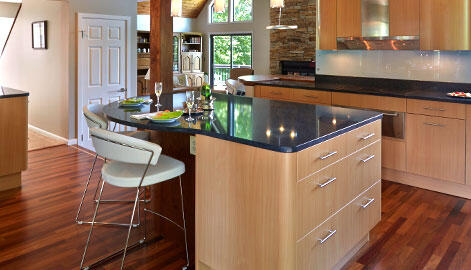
{"x":129,"y":175}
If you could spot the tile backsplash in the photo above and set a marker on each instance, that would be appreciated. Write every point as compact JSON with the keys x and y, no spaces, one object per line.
{"x":443,"y":66}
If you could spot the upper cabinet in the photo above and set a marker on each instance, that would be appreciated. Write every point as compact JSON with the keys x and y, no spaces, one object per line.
{"x":348,"y":18}
{"x":404,"y":17}
{"x":327,"y":25}
{"x":440,"y":24}
{"x":444,"y":25}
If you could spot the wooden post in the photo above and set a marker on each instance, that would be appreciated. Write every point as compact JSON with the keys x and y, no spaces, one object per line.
{"x":161,"y":45}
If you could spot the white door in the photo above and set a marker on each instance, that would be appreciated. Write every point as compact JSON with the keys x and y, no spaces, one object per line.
{"x":102,"y":63}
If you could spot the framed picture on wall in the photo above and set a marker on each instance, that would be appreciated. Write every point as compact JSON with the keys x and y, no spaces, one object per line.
{"x":39,"y":33}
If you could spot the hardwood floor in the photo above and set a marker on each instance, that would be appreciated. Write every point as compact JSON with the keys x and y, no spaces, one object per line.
{"x":419,"y":229}
{"x":37,"y":141}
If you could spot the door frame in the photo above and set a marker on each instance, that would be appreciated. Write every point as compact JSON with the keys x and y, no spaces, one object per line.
{"x":79,"y":64}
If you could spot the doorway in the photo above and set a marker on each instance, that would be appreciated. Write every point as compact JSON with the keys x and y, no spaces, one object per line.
{"x":229,"y":51}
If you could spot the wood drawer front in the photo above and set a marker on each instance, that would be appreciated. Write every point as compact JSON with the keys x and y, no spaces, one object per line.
{"x":393,"y":154}
{"x":436,"y":147}
{"x":312,"y":96}
{"x":320,"y":156}
{"x":363,"y":136}
{"x":278,"y":93}
{"x":369,"y":102}
{"x":350,"y":225}
{"x":435,"y":108}
{"x":321,"y":195}
{"x":364,"y":168}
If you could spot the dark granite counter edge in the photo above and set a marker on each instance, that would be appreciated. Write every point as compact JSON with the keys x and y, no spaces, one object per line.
{"x":6,"y":92}
{"x":282,"y":149}
{"x":370,"y":92}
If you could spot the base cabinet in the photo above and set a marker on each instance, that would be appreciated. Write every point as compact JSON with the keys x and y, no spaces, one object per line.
{"x":275,"y":214}
{"x":436,"y":147}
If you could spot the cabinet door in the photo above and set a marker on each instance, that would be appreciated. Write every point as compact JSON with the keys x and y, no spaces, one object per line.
{"x":186,"y":62}
{"x":197,"y":62}
{"x":327,"y":25}
{"x":404,"y":17}
{"x":436,"y":147}
{"x":348,"y":18}
{"x":198,"y":80}
{"x":444,"y":25}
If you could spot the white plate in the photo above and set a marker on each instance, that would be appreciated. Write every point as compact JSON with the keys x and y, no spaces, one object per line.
{"x":162,"y":121}
{"x":130,"y":105}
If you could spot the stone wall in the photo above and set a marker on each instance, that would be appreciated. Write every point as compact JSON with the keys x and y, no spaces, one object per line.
{"x":295,"y":45}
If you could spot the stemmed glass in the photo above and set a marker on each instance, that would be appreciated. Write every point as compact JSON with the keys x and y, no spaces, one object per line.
{"x":190,"y":101}
{"x":158,"y":92}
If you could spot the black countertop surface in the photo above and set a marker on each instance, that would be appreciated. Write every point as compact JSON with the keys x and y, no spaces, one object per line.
{"x":273,"y":125}
{"x":435,"y":91}
{"x":6,"y":92}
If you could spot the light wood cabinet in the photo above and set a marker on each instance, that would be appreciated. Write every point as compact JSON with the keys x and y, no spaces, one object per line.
{"x":404,"y":17}
{"x":393,"y":154}
{"x":327,"y":25}
{"x":435,"y":108}
{"x":444,"y":25}
{"x":13,"y":140}
{"x":312,"y":97}
{"x":263,"y":217}
{"x":349,"y":18}
{"x":328,"y":243}
{"x":392,"y":104}
{"x":436,"y":147}
{"x":192,"y":61}
{"x":468,"y":144}
{"x":276,"y":93}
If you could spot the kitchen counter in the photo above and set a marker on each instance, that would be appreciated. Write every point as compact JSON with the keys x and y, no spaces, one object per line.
{"x":435,"y":91}
{"x":273,"y":125}
{"x":6,"y":92}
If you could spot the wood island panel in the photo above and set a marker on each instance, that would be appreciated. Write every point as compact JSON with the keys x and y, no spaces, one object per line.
{"x":245,"y":210}
{"x":468,"y":144}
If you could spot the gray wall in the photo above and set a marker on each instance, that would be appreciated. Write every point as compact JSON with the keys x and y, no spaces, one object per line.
{"x":260,"y":36}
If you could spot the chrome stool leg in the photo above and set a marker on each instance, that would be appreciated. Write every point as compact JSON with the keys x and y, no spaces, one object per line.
{"x":91,"y":227}
{"x":85,"y":190}
{"x":184,"y":225}
{"x":130,"y":227}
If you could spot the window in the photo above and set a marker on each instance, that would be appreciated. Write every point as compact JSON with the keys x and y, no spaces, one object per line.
{"x":229,"y":51}
{"x":241,"y":11}
{"x":176,"y":55}
{"x":221,"y":16}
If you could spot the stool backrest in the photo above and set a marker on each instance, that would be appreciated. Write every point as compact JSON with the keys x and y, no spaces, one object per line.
{"x":123,"y":148}
{"x":94,"y":116}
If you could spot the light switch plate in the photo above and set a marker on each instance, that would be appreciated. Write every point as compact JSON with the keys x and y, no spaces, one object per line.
{"x":193,"y":145}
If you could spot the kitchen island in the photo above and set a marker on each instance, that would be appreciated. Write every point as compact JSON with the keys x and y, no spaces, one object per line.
{"x":277,"y":185}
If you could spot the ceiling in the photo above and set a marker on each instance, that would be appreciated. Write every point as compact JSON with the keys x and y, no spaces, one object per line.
{"x":191,"y":8}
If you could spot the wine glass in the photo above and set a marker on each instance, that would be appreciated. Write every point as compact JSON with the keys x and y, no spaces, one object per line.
{"x":158,"y":92}
{"x":190,"y":101}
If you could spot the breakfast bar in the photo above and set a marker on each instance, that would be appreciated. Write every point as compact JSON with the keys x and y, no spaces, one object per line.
{"x":269,"y":184}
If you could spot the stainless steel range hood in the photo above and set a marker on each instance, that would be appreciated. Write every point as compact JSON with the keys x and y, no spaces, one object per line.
{"x":375,"y":31}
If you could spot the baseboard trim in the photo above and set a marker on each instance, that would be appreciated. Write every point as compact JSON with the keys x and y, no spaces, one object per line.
{"x":442,"y":186}
{"x":52,"y":135}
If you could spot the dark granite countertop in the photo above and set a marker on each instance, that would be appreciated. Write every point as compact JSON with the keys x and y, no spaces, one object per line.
{"x":435,"y":91}
{"x":273,"y":125}
{"x":6,"y":92}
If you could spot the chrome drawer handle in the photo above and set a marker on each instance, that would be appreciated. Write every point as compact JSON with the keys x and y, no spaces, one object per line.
{"x":276,"y":93}
{"x":330,"y":180}
{"x":331,"y":233}
{"x":367,"y":159}
{"x":434,"y":109}
{"x":368,"y":136}
{"x":328,"y":155}
{"x":308,"y":96}
{"x":434,"y":125}
{"x":369,"y":201}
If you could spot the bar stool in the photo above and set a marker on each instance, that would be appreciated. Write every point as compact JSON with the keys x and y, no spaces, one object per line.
{"x":134,"y":163}
{"x":95,"y":118}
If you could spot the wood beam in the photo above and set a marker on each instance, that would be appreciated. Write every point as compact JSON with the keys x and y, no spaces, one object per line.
{"x":161,"y":45}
